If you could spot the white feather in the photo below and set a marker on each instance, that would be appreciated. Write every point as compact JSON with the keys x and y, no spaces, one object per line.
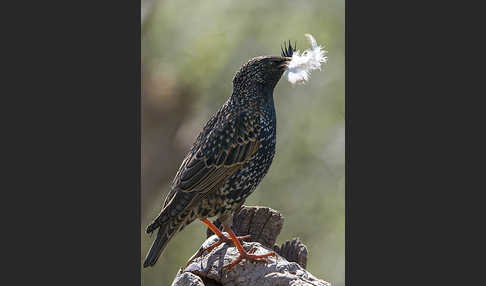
{"x":301,"y":65}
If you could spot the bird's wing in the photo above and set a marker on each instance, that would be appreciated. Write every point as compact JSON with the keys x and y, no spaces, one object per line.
{"x":217,"y":154}
{"x":229,"y":144}
{"x":225,"y":149}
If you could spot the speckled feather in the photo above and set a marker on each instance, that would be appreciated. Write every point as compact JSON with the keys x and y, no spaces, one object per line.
{"x":230,"y":157}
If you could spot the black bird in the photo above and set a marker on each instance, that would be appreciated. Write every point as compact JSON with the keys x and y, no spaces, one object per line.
{"x":229,"y":159}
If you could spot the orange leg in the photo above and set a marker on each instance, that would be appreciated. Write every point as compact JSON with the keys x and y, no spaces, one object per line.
{"x":222,"y":237}
{"x":242,"y":251}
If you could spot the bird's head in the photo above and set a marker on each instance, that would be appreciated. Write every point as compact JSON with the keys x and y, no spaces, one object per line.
{"x":263,"y":72}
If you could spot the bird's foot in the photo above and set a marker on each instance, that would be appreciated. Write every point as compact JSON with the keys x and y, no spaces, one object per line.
{"x":250,"y":257}
{"x":224,"y":239}
{"x":221,"y":236}
{"x":208,"y":249}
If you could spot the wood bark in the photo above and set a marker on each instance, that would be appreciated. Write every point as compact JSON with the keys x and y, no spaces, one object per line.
{"x":264,"y":225}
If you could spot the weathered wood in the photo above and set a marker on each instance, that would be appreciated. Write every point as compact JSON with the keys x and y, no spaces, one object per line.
{"x":188,"y":279}
{"x":264,"y":225}
{"x":294,"y":251}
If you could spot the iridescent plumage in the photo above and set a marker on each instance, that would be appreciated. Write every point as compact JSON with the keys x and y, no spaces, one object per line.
{"x":230,"y":157}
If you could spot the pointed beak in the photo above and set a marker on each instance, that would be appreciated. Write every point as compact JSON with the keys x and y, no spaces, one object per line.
{"x":285,"y":62}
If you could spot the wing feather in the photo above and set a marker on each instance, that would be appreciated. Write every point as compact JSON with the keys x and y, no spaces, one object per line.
{"x":225,"y":145}
{"x":225,"y":149}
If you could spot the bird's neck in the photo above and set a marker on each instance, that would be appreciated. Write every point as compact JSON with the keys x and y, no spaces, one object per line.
{"x":256,"y":96}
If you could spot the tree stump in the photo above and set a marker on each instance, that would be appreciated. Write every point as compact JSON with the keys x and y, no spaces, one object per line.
{"x":264,"y":225}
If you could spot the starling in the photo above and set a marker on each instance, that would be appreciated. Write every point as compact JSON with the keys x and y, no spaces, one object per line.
{"x":229,"y":159}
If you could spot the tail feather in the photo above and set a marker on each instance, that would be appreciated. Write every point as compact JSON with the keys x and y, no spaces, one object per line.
{"x":153,"y":226}
{"x":159,"y":244}
{"x":170,"y":221}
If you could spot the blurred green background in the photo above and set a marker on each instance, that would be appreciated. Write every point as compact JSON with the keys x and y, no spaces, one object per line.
{"x":190,"y":52}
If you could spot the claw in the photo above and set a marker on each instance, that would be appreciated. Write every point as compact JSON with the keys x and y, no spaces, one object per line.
{"x":250,"y":257}
{"x":222,"y":238}
{"x":225,"y":240}
{"x":243,"y":253}
{"x":208,"y":249}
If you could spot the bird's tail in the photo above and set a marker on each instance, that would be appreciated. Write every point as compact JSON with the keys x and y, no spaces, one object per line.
{"x":171,"y":220}
{"x":164,"y":234}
